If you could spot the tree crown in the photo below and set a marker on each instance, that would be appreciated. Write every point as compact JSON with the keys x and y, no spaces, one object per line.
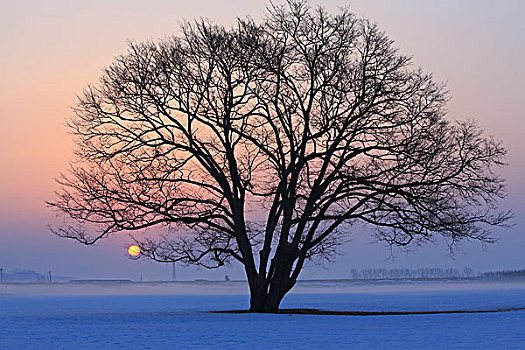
{"x":314,"y":120}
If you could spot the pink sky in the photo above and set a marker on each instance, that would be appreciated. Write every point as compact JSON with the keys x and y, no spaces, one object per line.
{"x":52,"y":49}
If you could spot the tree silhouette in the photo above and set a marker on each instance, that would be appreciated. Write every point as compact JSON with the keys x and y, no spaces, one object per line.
{"x":265,"y":143}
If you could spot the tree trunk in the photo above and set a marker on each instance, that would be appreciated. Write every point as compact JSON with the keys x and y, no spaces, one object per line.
{"x":258,"y":294}
{"x":281,"y":284}
{"x":264,"y":300}
{"x":266,"y":296}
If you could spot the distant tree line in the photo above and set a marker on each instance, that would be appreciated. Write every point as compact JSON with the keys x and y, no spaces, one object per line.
{"x":28,"y":276}
{"x":22,"y":276}
{"x":504,"y":275}
{"x":383,"y":273}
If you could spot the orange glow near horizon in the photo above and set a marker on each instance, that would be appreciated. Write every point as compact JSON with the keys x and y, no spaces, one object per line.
{"x":134,"y":250}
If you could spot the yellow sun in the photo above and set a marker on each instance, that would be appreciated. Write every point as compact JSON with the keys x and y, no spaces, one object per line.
{"x":134,"y":250}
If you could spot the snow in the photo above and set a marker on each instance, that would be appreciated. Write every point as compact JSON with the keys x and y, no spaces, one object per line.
{"x":174,"y":316}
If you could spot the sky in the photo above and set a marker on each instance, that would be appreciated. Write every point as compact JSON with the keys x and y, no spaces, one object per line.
{"x":51,"y":50}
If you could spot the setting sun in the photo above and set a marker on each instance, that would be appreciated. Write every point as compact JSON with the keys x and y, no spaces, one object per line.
{"x":134,"y":250}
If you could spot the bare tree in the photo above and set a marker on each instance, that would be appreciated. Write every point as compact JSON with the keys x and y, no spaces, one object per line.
{"x":265,"y":143}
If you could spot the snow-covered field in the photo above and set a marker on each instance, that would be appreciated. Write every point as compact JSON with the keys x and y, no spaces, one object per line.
{"x":174,"y":316}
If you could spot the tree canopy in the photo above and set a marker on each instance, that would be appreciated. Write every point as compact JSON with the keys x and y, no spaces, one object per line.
{"x":266,"y":142}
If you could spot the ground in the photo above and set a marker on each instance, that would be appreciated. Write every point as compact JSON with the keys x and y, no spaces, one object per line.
{"x":175,"y":316}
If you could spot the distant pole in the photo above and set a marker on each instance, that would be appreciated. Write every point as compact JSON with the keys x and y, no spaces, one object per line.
{"x":50,"y":280}
{"x":1,"y":275}
{"x":173,"y":273}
